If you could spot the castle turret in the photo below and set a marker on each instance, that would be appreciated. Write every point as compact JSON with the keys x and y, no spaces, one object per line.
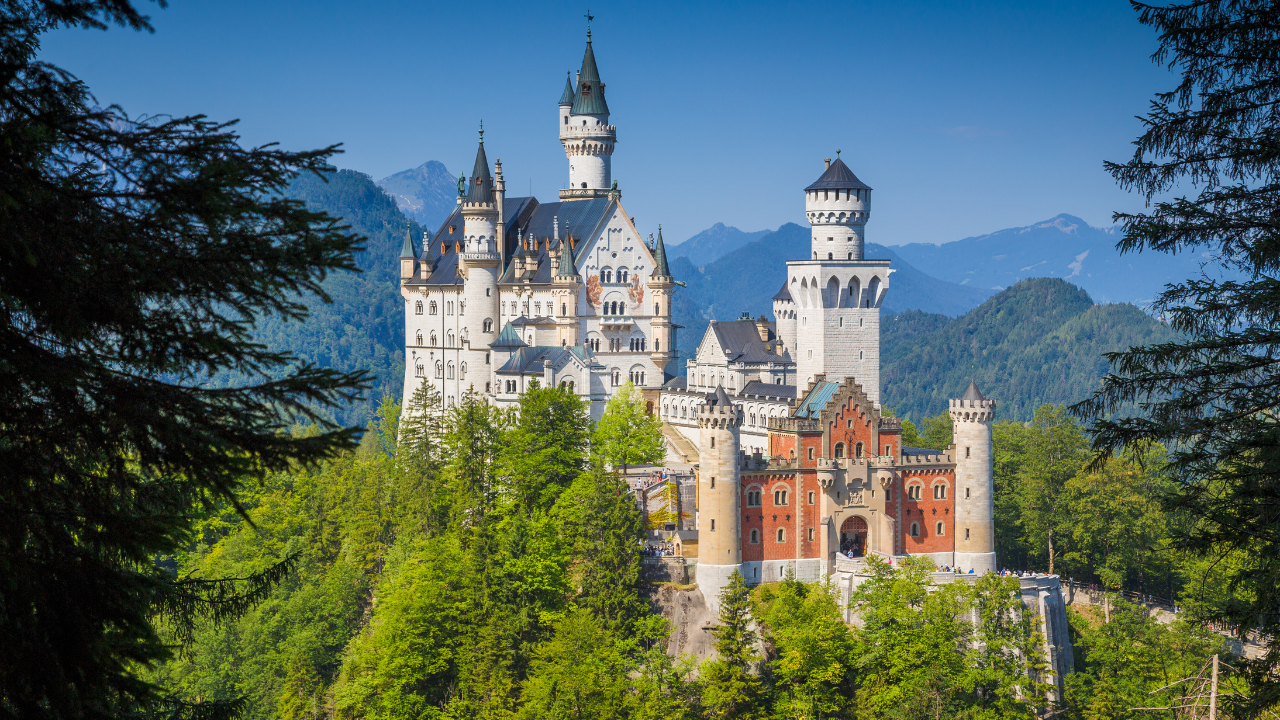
{"x":661,"y":285}
{"x":838,"y":206}
{"x":478,"y":311}
{"x":971,"y":418}
{"x":719,"y":514}
{"x":408,"y":256}
{"x":586,"y":134}
{"x":565,"y":284}
{"x":784,"y":316}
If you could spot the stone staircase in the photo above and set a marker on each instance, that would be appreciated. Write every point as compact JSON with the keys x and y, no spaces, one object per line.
{"x":679,"y":443}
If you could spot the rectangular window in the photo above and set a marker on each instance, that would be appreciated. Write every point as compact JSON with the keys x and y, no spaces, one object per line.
{"x":966,"y":452}
{"x":966,"y":493}
{"x":966,"y":533}
{"x":810,"y":453}
{"x":888,"y":450}
{"x":810,"y":534}
{"x":810,"y":497}
{"x":713,"y":525}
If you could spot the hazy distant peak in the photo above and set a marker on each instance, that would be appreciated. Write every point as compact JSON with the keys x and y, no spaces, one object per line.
{"x":426,"y":193}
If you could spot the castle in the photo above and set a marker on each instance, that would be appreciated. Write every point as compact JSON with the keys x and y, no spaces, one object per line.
{"x":795,"y":460}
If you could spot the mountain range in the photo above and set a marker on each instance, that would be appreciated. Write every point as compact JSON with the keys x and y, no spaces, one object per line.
{"x":427,"y":193}
{"x":713,"y":243}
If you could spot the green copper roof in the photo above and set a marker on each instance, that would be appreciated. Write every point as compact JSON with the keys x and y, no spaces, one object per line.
{"x":660,"y":257}
{"x":590,"y":96}
{"x":566,"y":268}
{"x":406,"y":250}
{"x":566,"y":97}
{"x":508,"y":338}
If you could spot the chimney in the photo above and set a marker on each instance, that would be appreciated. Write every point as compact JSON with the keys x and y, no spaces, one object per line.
{"x":762,"y":325}
{"x":828,"y":162}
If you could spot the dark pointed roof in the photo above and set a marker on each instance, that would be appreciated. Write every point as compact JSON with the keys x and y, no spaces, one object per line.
{"x":481,"y":182}
{"x":566,"y":97}
{"x":838,"y":176}
{"x":508,"y":338}
{"x":406,"y":250}
{"x":566,"y":268}
{"x":719,"y":398}
{"x":660,"y":268}
{"x":784,"y":293}
{"x":972,"y":392}
{"x":589,"y":99}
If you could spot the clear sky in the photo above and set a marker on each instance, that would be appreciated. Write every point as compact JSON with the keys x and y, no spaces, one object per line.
{"x":966,"y":117}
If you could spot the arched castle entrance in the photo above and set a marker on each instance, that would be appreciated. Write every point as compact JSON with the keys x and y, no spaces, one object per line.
{"x":853,"y":536}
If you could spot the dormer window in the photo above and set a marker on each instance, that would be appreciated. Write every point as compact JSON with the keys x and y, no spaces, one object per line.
{"x":586,"y":90}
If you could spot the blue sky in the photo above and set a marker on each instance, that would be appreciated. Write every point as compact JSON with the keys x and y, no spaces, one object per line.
{"x":966,"y":117}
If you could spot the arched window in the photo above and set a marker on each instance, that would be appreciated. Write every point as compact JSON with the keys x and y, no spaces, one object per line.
{"x":779,"y":497}
{"x":782,"y":534}
{"x":915,"y":529}
{"x":488,"y":325}
{"x":857,"y":450}
{"x":755,"y":536}
{"x":570,"y":386}
{"x":838,"y":451}
{"x":450,"y":371}
{"x":939,"y":492}
{"x":439,"y":369}
{"x":433,"y":338}
{"x":913,"y":492}
{"x":608,"y":276}
{"x":655,"y":309}
{"x":938,"y":530}
{"x":450,"y":339}
{"x":463,"y":376}
{"x":448,"y":308}
{"x":417,"y":308}
{"x":564,"y":310}
{"x":421,"y":370}
{"x":418,"y":337}
{"x":622,"y":276}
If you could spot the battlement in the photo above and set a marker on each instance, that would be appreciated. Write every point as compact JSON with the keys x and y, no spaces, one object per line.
{"x":479,"y":208}
{"x":713,"y":416}
{"x":939,"y":459}
{"x":793,"y":424}
{"x":983,"y":410}
{"x":589,"y":131}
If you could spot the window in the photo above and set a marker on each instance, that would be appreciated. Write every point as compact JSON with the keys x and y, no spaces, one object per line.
{"x":488,"y":292}
{"x":450,"y":371}
{"x":439,"y":369}
{"x":913,"y":492}
{"x":488,"y":325}
{"x":810,"y":453}
{"x":417,"y":308}
{"x":810,"y":534}
{"x":753,"y":498}
{"x":608,"y":276}
{"x":564,"y":309}
{"x":839,"y":450}
{"x":782,"y":534}
{"x":433,"y":338}
{"x":938,"y":530}
{"x":463,"y":368}
{"x":915,"y":529}
{"x":857,"y":450}
{"x":419,"y":337}
{"x":421,"y":371}
{"x":433,"y":307}
{"x":713,"y":481}
{"x":966,"y":533}
{"x":810,"y":497}
{"x":779,"y":497}
{"x":939,"y":492}
{"x":713,"y":442}
{"x":713,"y":524}
{"x":448,"y":308}
{"x":622,"y":276}
{"x":450,"y":339}
{"x":755,"y":536}
{"x":888,"y":450}
{"x":966,"y":493}
{"x":655,"y":309}
{"x":966,"y":453}
{"x":537,"y":308}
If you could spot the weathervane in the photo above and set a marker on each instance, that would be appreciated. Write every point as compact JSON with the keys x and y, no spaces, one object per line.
{"x":589,"y":18}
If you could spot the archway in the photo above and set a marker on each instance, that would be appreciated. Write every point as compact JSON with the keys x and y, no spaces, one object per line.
{"x":853,"y":536}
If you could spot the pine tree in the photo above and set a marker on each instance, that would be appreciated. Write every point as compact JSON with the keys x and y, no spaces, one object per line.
{"x":136,"y":254}
{"x":627,"y":433}
{"x":1212,"y":396}
{"x":730,"y":687}
{"x":545,"y":449}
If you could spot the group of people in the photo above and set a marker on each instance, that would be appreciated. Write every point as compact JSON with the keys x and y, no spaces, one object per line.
{"x":955,"y":570}
{"x":851,"y":547}
{"x":661,"y":550}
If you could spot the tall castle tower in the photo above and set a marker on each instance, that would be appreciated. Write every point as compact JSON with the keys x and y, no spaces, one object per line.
{"x":586,"y":134}
{"x":661,"y":284}
{"x":478,"y":310}
{"x":719,"y":514}
{"x":971,"y":418}
{"x":837,"y":292}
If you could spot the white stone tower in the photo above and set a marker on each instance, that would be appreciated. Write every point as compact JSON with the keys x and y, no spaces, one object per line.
{"x":719,"y":514}
{"x":586,"y":134}
{"x":478,"y":308}
{"x":971,"y":418}
{"x":784,"y":317}
{"x":661,"y":285}
{"x":837,"y":292}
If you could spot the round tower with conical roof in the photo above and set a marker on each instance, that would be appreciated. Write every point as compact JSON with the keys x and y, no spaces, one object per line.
{"x":838,"y":206}
{"x":661,"y":285}
{"x":586,"y":134}
{"x":784,"y":317}
{"x":971,"y":418}
{"x":719,"y":514}
{"x":478,"y":309}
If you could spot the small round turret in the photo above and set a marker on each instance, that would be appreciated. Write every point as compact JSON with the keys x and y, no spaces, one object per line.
{"x":838,"y":206}
{"x":719,"y":514}
{"x":971,"y":418}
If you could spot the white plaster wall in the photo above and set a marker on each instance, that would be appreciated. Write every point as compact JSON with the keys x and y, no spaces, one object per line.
{"x":971,"y":428}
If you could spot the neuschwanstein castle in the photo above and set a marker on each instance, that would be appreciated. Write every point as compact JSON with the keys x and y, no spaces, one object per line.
{"x":796,"y":466}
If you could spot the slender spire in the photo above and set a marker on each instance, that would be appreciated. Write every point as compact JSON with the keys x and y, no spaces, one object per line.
{"x":428,"y":258}
{"x":406,"y":250}
{"x":566,"y":97}
{"x":590,"y":95}
{"x":566,"y":269}
{"x":660,"y":257}
{"x":481,"y":181}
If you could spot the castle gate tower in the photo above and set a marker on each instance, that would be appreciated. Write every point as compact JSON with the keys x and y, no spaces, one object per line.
{"x":719,"y":514}
{"x":586,"y":134}
{"x":971,"y":418}
{"x":837,"y":292}
{"x":478,"y":309}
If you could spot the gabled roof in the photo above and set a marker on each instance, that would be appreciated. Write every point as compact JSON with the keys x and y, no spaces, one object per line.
{"x":566,"y":97}
{"x":764,"y":389}
{"x":972,"y":392}
{"x":838,"y":176}
{"x":508,"y":338}
{"x":579,"y":219}
{"x":523,"y":321}
{"x":741,"y":342}
{"x":533,"y":359}
{"x":660,"y":268}
{"x":816,"y":400}
{"x":406,"y":250}
{"x":590,"y":95}
{"x":784,"y":293}
{"x":481,"y":182}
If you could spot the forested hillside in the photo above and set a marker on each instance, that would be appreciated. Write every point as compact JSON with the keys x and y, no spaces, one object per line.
{"x":363,"y":328}
{"x":1040,"y":341}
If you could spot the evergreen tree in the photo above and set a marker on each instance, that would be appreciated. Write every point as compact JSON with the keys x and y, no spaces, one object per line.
{"x":545,"y":448}
{"x":730,"y":686}
{"x":136,"y":255}
{"x":1212,"y":396}
{"x":472,"y":443}
{"x":628,"y":434}
{"x":1056,"y":451}
{"x":420,"y":459}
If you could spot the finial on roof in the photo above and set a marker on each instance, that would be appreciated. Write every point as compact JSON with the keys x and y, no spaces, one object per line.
{"x":481,"y":131}
{"x":837,"y":153}
{"x":406,"y":250}
{"x":589,"y":18}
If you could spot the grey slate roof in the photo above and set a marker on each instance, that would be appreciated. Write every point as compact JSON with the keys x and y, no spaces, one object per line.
{"x":740,"y":339}
{"x":528,"y":360}
{"x":679,"y":382}
{"x":481,"y":182}
{"x":719,"y":398}
{"x":784,"y":293}
{"x":972,"y":392}
{"x":590,"y":95}
{"x":566,"y":97}
{"x":660,"y":257}
{"x":523,"y":321}
{"x":578,"y":218}
{"x":838,"y":176}
{"x":764,"y":389}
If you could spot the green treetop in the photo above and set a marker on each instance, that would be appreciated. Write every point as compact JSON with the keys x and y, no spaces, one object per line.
{"x":627,"y":433}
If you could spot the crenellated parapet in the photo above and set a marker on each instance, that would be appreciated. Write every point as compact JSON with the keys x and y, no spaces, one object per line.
{"x":983,"y":411}
{"x":718,"y":416}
